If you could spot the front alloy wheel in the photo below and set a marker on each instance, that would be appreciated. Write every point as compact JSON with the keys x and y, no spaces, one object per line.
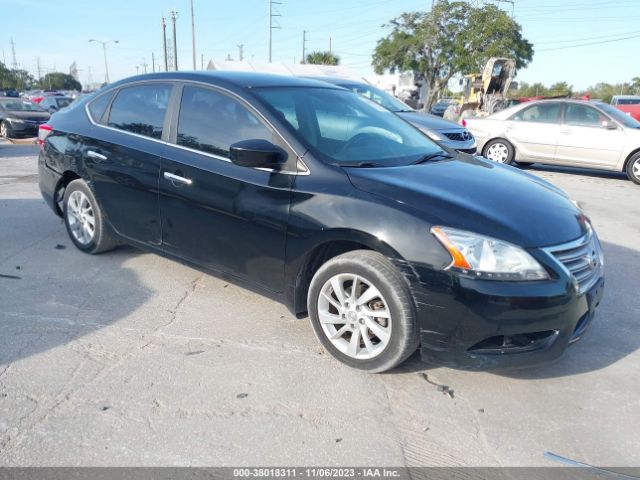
{"x":354,"y":316}
{"x":362,"y":311}
{"x":499,"y":151}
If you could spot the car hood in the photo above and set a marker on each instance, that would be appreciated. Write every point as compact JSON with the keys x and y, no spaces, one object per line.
{"x":33,"y":116}
{"x":431,"y":122}
{"x":479,"y":196}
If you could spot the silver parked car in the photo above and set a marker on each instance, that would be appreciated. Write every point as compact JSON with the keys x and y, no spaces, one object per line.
{"x":574,"y":133}
{"x":441,"y":131}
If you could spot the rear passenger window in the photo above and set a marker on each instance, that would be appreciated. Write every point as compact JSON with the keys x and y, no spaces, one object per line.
{"x":98,"y":106}
{"x":140,"y":109}
{"x":211,"y":122}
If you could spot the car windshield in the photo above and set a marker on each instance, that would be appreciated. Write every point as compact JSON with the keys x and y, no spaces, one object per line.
{"x":628,"y":101}
{"x":620,"y":116}
{"x":385,"y":99}
{"x":19,"y":106}
{"x":344,"y":128}
{"x":64,"y":102}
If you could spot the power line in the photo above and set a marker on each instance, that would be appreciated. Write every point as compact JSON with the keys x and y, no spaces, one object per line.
{"x":589,"y":44}
{"x":587,"y":38}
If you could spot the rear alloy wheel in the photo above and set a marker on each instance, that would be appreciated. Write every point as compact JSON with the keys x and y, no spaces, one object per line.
{"x":633,"y":168}
{"x":361,"y":311}
{"x":84,"y":220}
{"x":500,"y":151}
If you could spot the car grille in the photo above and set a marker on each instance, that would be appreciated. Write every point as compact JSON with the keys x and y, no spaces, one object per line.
{"x":582,"y":259}
{"x":459,"y":136}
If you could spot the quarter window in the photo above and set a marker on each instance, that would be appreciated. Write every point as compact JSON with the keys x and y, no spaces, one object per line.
{"x":98,"y":106}
{"x":540,"y":113}
{"x":211,"y":122}
{"x":140,"y":109}
{"x":576,"y":114}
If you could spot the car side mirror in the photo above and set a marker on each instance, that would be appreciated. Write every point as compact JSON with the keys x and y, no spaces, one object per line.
{"x":609,"y":125}
{"x":257,"y":153}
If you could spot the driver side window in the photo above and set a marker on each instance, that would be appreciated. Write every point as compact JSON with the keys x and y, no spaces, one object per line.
{"x":211,"y":122}
{"x":582,"y":115}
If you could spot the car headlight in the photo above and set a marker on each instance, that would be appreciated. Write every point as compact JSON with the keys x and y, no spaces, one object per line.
{"x":432,"y":135}
{"x":488,"y":258}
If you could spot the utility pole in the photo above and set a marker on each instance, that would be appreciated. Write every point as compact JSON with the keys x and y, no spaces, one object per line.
{"x":14,"y":64}
{"x":39,"y":68}
{"x":144,"y":64}
{"x":241,"y":51}
{"x":193,"y":36}
{"x":104,"y":50}
{"x":137,"y":69}
{"x":202,"y":61}
{"x":164,"y":44}
{"x":174,"y":16}
{"x":304,"y":46}
{"x":153,"y":62}
{"x":271,"y":27}
{"x":329,"y":45}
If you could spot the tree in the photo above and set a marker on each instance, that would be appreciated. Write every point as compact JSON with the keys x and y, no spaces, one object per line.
{"x":59,"y":81}
{"x":454,"y":38}
{"x":635,"y":85}
{"x":14,"y":78}
{"x":560,"y":88}
{"x":322,"y":58}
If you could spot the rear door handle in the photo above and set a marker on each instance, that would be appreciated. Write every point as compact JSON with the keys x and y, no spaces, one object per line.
{"x":177,"y":179}
{"x":96,"y":155}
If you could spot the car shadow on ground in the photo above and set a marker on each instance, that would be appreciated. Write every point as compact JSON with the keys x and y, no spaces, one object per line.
{"x":612,"y":336}
{"x":583,"y":172}
{"x":51,"y":294}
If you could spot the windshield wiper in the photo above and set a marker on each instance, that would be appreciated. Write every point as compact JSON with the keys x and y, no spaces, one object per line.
{"x":364,"y":165}
{"x":432,"y":156}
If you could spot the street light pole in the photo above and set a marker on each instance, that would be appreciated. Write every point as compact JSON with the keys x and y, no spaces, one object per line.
{"x":104,"y":51}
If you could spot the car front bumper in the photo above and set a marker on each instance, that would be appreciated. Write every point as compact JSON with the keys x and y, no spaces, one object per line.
{"x":490,"y":325}
{"x":23,"y":129}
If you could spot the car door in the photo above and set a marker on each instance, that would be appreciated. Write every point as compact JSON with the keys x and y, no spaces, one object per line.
{"x":585,"y":142}
{"x":122,"y":157}
{"x":534,"y":131}
{"x":215,"y":213}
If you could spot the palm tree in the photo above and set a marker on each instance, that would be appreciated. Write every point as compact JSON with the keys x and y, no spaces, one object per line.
{"x":322,"y":58}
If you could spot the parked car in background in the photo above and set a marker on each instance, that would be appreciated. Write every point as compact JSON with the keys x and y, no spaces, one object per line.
{"x":441,"y":106}
{"x":20,"y":118}
{"x":575,"y":133}
{"x":627,"y":103}
{"x":445,"y":133}
{"x":9,"y":93}
{"x":54,"y":103}
{"x":334,"y":205}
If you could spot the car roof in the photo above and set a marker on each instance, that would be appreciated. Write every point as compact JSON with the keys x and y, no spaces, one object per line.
{"x":338,"y":81}
{"x":238,"y":79}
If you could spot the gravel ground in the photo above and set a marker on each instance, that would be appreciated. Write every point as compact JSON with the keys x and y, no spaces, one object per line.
{"x":128,"y":358}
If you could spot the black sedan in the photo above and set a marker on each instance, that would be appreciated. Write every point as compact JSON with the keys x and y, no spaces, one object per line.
{"x":54,"y":103}
{"x":334,"y":205}
{"x":20,"y":118}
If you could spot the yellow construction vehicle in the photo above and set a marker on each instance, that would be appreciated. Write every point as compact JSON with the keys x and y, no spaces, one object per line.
{"x":485,"y":93}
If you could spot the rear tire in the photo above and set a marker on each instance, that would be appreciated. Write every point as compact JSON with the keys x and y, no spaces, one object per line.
{"x":633,"y":169}
{"x":84,"y":220}
{"x":499,"y":150}
{"x":374,"y":329}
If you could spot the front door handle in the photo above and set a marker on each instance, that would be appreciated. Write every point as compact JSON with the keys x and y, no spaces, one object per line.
{"x":96,"y":155}
{"x":177,"y":178}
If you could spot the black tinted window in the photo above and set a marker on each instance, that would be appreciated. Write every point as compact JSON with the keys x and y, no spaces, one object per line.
{"x":99,"y":105}
{"x":211,"y":122}
{"x":140,"y":109}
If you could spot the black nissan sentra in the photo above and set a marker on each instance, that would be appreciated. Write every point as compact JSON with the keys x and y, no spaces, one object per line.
{"x":334,"y":205}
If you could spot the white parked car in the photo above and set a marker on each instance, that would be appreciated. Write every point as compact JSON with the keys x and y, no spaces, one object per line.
{"x":574,"y":133}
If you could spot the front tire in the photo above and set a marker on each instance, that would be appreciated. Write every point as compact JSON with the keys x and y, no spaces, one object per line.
{"x":362,"y":311}
{"x":500,"y":150}
{"x":84,"y":220}
{"x":4,"y":130}
{"x":633,"y":169}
